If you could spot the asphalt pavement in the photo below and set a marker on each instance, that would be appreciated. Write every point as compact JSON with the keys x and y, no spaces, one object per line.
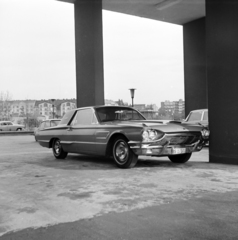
{"x":85,"y":197}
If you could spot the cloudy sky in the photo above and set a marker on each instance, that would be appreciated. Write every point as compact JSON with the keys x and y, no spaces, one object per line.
{"x":37,"y":59}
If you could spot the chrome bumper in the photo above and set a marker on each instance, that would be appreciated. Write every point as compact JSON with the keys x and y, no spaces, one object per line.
{"x":152,"y":149}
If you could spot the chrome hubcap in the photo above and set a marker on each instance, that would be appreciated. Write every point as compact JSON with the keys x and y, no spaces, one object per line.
{"x":57,"y":147}
{"x":121,"y":151}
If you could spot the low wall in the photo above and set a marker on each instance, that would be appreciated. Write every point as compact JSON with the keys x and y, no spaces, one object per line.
{"x":3,"y":133}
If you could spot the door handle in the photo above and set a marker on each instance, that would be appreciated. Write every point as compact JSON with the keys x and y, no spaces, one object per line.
{"x":69,"y":129}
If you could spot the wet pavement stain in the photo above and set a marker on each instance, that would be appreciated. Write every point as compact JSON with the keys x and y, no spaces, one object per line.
{"x":148,"y":185}
{"x":39,"y":175}
{"x":115,"y":192}
{"x":3,"y":229}
{"x":75,"y":196}
{"x":27,"y":210}
{"x":216,"y":180}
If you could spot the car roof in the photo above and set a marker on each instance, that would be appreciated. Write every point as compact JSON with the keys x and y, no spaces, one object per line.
{"x":198,"y":110}
{"x":101,"y":106}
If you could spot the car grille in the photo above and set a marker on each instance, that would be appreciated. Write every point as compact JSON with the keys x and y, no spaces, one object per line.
{"x":175,"y":139}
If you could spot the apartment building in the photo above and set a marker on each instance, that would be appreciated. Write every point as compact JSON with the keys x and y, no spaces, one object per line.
{"x":43,"y":109}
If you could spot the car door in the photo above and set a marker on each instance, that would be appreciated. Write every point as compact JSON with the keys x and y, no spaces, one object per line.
{"x":80,"y":136}
{"x":2,"y":126}
{"x":11,"y":127}
{"x":5,"y":126}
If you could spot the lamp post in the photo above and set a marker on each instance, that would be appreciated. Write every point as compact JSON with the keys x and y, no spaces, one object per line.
{"x":132,"y":90}
{"x":53,"y":107}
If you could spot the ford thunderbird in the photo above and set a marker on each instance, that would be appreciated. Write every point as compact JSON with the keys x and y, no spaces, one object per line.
{"x":123,"y":134}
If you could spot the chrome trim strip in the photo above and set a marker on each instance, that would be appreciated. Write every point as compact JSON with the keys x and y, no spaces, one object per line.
{"x":44,"y":141}
{"x":77,"y":142}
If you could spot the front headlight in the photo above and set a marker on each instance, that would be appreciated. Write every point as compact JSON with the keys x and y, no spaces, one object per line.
{"x":205,"y":133}
{"x":151,"y":135}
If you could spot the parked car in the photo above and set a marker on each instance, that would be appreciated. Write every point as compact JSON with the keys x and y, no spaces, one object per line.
{"x":199,"y":116}
{"x":122,"y":133}
{"x":10,"y":126}
{"x":45,"y":124}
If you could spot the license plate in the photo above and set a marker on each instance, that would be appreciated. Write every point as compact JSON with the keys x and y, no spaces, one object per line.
{"x":179,"y":150}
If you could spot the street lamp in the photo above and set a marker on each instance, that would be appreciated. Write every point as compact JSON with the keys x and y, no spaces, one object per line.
{"x":53,"y":106}
{"x":132,"y":90}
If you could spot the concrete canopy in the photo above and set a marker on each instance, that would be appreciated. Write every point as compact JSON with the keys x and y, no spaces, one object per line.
{"x":171,"y":11}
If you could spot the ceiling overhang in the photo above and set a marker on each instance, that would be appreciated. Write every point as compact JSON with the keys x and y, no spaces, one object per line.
{"x":170,"y":11}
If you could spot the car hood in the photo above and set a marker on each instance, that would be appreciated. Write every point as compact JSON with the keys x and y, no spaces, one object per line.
{"x":172,"y":126}
{"x":204,"y":123}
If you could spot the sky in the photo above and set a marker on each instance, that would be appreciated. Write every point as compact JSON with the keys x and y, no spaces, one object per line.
{"x":37,"y":54}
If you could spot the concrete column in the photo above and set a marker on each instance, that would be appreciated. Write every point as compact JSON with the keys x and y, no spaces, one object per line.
{"x":89,"y":52}
{"x":195,"y":65}
{"x":222,"y":75}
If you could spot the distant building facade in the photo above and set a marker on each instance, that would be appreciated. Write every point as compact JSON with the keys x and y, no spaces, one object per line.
{"x":149,"y":111}
{"x":54,"y":109}
{"x":173,"y":109}
{"x":42,"y":109}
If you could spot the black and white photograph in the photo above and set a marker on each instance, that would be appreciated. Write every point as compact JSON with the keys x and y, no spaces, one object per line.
{"x":118,"y":119}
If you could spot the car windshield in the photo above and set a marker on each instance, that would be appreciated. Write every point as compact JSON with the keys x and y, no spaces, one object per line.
{"x":106,"y":114}
{"x":195,"y":116}
{"x":205,"y":116}
{"x":66,"y":118}
{"x":54,"y":123}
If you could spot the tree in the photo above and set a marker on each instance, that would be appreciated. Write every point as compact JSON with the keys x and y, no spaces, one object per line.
{"x":5,"y":98}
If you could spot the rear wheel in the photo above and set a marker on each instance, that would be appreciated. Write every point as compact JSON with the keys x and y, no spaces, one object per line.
{"x":19,"y":129}
{"x":123,"y":156}
{"x":58,"y":151}
{"x":180,"y":158}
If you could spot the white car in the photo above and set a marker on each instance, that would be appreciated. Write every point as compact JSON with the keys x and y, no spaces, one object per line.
{"x":10,"y":126}
{"x":199,"y":116}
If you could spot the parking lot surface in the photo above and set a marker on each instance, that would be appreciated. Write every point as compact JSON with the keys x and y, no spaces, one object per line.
{"x":85,"y":197}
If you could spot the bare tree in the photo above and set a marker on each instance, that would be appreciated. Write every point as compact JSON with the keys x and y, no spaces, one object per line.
{"x":5,"y":98}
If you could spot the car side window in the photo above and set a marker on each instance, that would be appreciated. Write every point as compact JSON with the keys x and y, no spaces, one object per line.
{"x":83,"y":117}
{"x":9,"y":123}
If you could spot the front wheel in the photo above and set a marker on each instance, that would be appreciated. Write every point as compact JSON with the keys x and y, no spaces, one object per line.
{"x":58,"y":151}
{"x":180,"y":158}
{"x":19,"y":129}
{"x":123,"y":156}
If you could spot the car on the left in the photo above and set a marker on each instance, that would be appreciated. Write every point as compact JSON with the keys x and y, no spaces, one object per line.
{"x":45,"y":124}
{"x":10,"y":126}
